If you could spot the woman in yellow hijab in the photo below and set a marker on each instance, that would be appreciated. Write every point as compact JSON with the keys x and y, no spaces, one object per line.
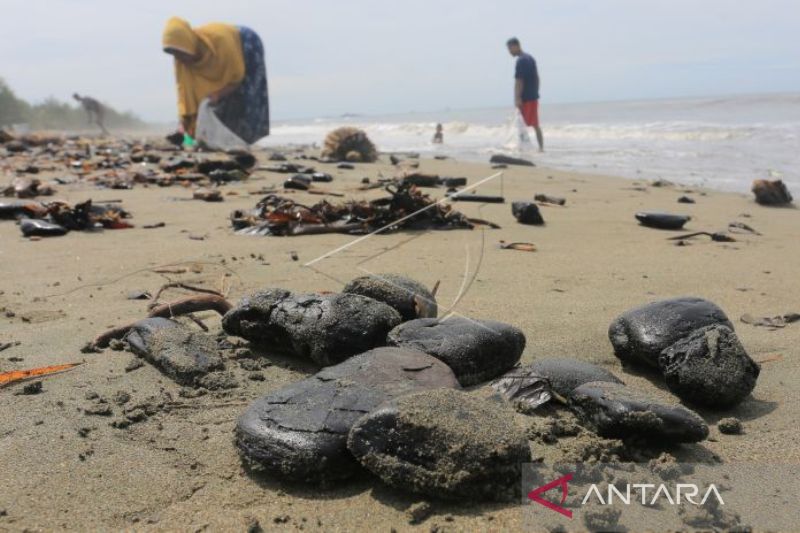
{"x":224,"y":64}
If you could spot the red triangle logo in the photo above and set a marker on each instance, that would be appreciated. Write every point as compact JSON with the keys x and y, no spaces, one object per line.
{"x":560,"y":482}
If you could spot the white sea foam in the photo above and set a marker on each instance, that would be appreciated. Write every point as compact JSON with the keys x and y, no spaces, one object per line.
{"x":721,"y":143}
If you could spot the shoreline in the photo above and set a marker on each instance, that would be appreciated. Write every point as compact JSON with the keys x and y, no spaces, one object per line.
{"x":179,"y":469}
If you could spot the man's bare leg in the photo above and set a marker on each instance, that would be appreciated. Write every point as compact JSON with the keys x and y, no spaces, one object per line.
{"x":100,"y":122}
{"x":539,"y":138}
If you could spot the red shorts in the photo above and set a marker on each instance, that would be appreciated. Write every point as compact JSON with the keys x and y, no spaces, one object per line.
{"x":530,"y":112}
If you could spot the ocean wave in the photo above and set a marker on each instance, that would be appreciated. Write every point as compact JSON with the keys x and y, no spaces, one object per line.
{"x":717,"y":142}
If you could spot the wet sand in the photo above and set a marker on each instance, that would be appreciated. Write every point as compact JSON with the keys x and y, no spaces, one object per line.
{"x":178,"y":469}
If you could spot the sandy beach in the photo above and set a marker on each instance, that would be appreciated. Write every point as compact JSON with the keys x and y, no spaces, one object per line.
{"x":178,"y":469}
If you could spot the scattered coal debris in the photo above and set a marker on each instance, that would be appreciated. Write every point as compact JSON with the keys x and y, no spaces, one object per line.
{"x":549,"y":199}
{"x":771,"y":322}
{"x":58,"y":218}
{"x":117,"y":164}
{"x":23,"y":187}
{"x":405,"y":208}
{"x":421,"y":179}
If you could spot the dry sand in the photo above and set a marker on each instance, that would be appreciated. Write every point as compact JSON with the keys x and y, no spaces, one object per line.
{"x":179,"y":470}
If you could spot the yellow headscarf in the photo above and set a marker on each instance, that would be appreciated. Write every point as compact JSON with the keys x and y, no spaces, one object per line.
{"x":221,"y":60}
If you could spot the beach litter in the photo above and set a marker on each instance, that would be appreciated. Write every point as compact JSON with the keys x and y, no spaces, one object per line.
{"x":660,"y":220}
{"x":58,"y":218}
{"x":774,"y":193}
{"x":405,"y":208}
{"x":717,"y":236}
{"x":692,"y":344}
{"x":28,"y":188}
{"x":527,"y":213}
{"x":14,"y":376}
{"x":741,"y":227}
{"x":551,"y":200}
{"x":349,"y":144}
{"x":500,"y":159}
{"x":521,"y":246}
{"x":771,"y":322}
{"x":472,"y":197}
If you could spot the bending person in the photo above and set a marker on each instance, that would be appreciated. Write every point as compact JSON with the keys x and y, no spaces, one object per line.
{"x":94,"y":110}
{"x":224,"y":64}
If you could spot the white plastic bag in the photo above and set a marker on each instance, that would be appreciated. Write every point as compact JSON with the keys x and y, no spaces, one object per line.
{"x":522,"y":129}
{"x":517,"y":138}
{"x":213,"y":132}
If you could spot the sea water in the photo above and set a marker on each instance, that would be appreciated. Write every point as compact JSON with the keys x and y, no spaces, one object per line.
{"x":723,"y":143}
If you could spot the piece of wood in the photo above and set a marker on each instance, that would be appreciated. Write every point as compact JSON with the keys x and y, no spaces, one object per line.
{"x":192,"y":304}
{"x":14,"y":376}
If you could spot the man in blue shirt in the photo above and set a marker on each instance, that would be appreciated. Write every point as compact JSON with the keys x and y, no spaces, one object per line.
{"x":526,"y":88}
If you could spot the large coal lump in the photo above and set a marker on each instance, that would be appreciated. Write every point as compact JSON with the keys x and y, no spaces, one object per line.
{"x":639,"y":335}
{"x":300,"y":431}
{"x":476,"y":350}
{"x":615,"y":411}
{"x":443,"y":443}
{"x":327,"y":328}
{"x":409,"y":297}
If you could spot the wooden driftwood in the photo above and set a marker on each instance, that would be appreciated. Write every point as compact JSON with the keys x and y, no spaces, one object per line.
{"x":184,"y":306}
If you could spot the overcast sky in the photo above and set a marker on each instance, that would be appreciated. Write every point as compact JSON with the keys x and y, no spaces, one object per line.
{"x":365,"y":56}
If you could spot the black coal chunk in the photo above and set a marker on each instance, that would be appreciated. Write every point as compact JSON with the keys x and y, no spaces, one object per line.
{"x":662,"y":220}
{"x":300,"y":431}
{"x":615,"y":411}
{"x":709,"y":367}
{"x":527,"y":213}
{"x":445,"y":444}
{"x":640,"y":334}
{"x":31,"y":227}
{"x":179,"y":352}
{"x":476,"y":350}
{"x":500,"y":159}
{"x":298,"y":181}
{"x":565,"y":375}
{"x":771,"y":192}
{"x":327,"y":328}
{"x":409,"y":297}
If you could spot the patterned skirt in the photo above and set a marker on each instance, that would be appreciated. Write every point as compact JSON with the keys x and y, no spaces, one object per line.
{"x":246,"y":110}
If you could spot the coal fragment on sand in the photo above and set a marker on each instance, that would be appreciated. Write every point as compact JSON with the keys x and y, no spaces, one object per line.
{"x":639,"y":335}
{"x":408,"y":297}
{"x":476,"y":350}
{"x":500,"y":159}
{"x":298,"y":181}
{"x":547,"y":199}
{"x":661,"y":220}
{"x":182,"y":354}
{"x":771,"y":192}
{"x":444,"y":444}
{"x":326,"y":328}
{"x":527,"y":213}
{"x":730,"y":426}
{"x":41,"y":228}
{"x":300,"y":432}
{"x":615,"y":411}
